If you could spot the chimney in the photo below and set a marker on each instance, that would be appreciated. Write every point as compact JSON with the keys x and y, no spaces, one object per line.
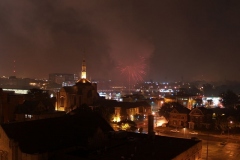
{"x":150,"y":125}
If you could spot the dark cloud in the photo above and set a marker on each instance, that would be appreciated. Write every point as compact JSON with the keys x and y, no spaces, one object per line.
{"x":190,"y":39}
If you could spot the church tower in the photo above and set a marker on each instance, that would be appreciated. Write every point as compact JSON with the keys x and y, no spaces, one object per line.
{"x":84,"y":72}
{"x":83,"y":92}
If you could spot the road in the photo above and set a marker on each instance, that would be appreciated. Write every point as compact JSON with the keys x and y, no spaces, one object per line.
{"x":216,"y":151}
{"x":211,"y":148}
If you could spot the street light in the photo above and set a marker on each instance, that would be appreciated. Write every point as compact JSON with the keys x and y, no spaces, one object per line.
{"x":207,"y":140}
{"x":229,"y":127}
{"x":161,"y":103}
{"x":184,"y":132}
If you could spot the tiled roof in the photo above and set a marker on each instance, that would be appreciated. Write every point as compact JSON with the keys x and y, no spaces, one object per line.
{"x":85,"y":81}
{"x":205,"y":110}
{"x":181,"y":109}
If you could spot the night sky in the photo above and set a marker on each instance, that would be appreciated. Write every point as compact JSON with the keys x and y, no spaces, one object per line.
{"x":178,"y":39}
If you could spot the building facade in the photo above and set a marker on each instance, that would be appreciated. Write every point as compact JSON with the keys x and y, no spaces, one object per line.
{"x":179,"y":117}
{"x":187,"y":101}
{"x":60,"y":78}
{"x":129,"y":110}
{"x":200,"y":117}
{"x":8,"y":102}
{"x":83,"y":92}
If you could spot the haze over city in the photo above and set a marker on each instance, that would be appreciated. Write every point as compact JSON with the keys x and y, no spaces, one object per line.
{"x":159,"y":40}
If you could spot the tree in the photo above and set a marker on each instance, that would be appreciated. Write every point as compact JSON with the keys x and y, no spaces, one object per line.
{"x":194,"y":90}
{"x":221,"y":123}
{"x":229,"y":99}
{"x":237,"y":113}
{"x":127,"y":125}
{"x":165,"y":109}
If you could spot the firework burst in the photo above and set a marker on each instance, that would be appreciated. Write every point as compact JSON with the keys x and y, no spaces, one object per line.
{"x":135,"y":71}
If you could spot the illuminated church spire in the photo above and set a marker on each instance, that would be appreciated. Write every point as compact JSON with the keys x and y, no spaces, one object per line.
{"x":84,"y":72}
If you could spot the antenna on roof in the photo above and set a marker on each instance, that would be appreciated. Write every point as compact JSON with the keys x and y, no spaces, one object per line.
{"x":14,"y":67}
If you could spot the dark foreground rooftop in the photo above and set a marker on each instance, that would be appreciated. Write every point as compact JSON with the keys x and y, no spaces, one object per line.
{"x":133,"y":146}
{"x":46,"y":135}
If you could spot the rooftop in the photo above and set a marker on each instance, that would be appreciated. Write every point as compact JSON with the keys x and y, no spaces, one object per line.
{"x":51,"y":134}
{"x":136,"y":146}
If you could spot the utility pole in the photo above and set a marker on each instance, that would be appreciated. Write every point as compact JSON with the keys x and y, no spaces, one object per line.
{"x":228,"y":130}
{"x":207,"y":140}
{"x":228,"y":133}
{"x":207,"y":146}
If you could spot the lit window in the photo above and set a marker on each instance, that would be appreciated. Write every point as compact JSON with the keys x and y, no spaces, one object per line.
{"x":28,"y":116}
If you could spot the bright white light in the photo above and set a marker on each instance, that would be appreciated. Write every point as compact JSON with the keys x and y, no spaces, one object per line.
{"x":17,"y":91}
{"x":165,"y":90}
{"x":160,"y":121}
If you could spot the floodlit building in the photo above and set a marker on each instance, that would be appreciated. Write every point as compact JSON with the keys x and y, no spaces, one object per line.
{"x":83,"y":92}
{"x":212,"y":102}
{"x":125,"y":110}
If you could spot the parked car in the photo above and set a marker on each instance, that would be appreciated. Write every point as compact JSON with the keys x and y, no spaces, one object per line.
{"x":174,"y":130}
{"x":193,"y":132}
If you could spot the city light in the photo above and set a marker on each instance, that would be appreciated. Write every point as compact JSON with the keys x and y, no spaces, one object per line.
{"x":116,"y":119}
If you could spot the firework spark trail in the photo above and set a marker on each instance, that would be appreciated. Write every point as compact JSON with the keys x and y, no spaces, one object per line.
{"x":135,"y":71}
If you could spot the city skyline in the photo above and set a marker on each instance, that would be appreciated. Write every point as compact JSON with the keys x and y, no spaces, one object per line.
{"x":190,"y":40}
